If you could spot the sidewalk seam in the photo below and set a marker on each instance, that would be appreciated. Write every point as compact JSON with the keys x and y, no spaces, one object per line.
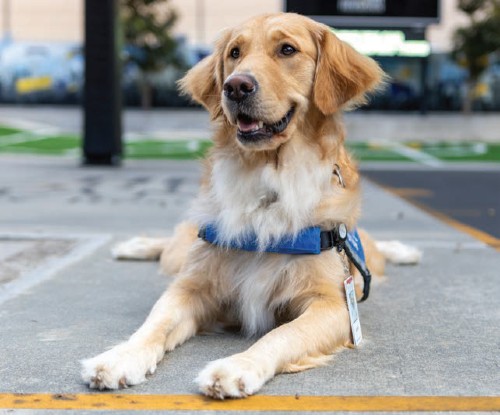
{"x":85,"y":246}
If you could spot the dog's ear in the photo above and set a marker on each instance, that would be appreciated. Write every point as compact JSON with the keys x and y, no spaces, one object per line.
{"x":203,"y":82}
{"x":343,"y":76}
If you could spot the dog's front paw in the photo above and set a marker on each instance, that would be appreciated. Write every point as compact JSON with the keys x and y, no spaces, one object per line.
{"x":118,"y":368}
{"x":232,"y":377}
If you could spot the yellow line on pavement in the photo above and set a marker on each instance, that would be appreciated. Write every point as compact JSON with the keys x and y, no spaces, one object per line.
{"x":113,"y":402}
{"x":475,"y":233}
{"x":412,"y":192}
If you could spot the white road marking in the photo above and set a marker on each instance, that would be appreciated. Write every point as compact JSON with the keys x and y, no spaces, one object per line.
{"x":85,"y":246}
{"x":412,"y":154}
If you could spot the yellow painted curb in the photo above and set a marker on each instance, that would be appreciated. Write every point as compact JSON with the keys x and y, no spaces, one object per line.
{"x":113,"y":401}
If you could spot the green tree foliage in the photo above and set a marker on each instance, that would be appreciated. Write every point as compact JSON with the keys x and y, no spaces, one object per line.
{"x":473,"y":43}
{"x":147,"y":26}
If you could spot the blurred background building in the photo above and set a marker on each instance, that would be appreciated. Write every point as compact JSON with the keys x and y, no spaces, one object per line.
{"x":41,"y":54}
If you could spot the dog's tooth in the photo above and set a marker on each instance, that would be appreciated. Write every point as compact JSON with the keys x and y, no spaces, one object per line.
{"x":261,"y":124}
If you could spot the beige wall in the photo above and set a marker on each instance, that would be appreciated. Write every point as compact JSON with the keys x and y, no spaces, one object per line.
{"x":440,"y":36}
{"x":44,"y":20}
{"x":217,"y":15}
{"x":62,"y":20}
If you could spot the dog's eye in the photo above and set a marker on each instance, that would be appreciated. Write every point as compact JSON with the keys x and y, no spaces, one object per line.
{"x":235,"y":53}
{"x":287,"y":50}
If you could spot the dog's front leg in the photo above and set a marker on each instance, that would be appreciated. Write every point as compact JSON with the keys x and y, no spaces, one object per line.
{"x":176,"y":317}
{"x":302,"y":343}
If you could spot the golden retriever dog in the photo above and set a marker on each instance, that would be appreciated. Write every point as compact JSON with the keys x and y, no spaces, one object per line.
{"x":275,"y":87}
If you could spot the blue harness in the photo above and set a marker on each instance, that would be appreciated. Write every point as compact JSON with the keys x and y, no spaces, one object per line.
{"x":309,"y":241}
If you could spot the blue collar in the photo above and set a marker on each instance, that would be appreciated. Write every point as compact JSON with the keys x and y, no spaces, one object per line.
{"x":309,"y":241}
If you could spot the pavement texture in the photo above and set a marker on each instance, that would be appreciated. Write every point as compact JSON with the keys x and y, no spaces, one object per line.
{"x":195,"y":123}
{"x":431,"y":329}
{"x":465,"y":196}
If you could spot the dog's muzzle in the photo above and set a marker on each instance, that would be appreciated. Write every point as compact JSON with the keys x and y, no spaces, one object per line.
{"x":250,"y":129}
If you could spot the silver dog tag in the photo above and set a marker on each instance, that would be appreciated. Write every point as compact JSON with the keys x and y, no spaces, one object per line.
{"x":352,"y":306}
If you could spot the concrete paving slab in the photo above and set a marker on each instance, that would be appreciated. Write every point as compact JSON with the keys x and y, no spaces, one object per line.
{"x":41,"y":194}
{"x":29,"y":259}
{"x":426,"y":333}
{"x":429,"y":330}
{"x":11,"y":248}
{"x":22,"y":255}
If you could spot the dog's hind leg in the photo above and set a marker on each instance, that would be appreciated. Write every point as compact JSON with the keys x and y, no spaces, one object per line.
{"x":182,"y":310}
{"x":377,"y":252}
{"x":399,"y":253}
{"x":375,"y":260}
{"x":172,"y":252}
{"x":140,"y":248}
{"x":302,"y":343}
{"x":174,"y":256}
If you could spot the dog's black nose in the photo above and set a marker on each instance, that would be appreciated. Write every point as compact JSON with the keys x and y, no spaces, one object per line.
{"x":239,"y":87}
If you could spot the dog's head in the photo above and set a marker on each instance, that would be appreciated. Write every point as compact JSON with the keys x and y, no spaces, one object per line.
{"x":269,"y":74}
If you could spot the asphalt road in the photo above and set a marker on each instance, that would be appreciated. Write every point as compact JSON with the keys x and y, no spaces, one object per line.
{"x":469,"y":197}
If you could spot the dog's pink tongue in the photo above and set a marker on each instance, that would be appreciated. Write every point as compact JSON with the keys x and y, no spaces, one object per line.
{"x":246,"y":126}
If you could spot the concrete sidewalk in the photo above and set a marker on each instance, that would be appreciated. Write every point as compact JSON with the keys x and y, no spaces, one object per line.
{"x":195,"y":123}
{"x":429,"y":330}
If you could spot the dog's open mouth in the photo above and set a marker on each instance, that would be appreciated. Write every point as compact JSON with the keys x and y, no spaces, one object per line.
{"x":250,"y":129}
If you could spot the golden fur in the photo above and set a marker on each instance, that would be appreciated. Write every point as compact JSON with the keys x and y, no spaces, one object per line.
{"x":273,"y":187}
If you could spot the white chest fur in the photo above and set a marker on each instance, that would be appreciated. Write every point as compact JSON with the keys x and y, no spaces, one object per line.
{"x":269,"y":201}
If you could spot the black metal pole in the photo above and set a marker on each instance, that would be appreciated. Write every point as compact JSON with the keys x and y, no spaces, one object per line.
{"x":102,"y":143}
{"x":424,"y":101}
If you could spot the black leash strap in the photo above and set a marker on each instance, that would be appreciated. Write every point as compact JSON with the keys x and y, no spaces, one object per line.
{"x":337,"y":238}
{"x":362,"y":268}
